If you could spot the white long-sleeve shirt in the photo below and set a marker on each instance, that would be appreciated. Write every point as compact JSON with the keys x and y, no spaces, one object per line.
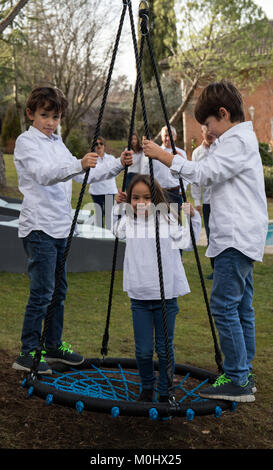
{"x":234,"y":170}
{"x":197,"y":191}
{"x":45,"y":168}
{"x":140,"y":163}
{"x":163,"y":174}
{"x":140,"y":269}
{"x":105,"y":186}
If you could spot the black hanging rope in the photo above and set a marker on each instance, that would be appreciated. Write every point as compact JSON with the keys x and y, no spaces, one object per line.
{"x":51,"y":307}
{"x":144,"y":16}
{"x":139,"y":87}
{"x":218,"y":357}
{"x":105,"y":340}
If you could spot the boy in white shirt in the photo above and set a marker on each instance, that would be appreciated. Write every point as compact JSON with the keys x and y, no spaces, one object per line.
{"x":45,"y":170}
{"x":238,"y":227}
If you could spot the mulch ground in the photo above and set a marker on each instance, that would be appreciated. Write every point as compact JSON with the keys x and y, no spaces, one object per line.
{"x":27,"y":423}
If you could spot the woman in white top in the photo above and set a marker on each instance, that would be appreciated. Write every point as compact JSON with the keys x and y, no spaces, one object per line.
{"x":141,"y":279}
{"x":140,"y":162}
{"x":103,"y":192}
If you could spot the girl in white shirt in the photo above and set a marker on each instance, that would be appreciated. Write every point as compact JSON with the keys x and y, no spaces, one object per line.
{"x":140,"y":274}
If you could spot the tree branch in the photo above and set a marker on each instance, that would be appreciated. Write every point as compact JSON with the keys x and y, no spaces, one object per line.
{"x":183,"y":105}
{"x":12,"y":14}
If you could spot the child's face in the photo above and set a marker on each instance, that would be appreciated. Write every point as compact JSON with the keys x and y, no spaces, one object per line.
{"x":45,"y":121}
{"x":141,"y":198}
{"x":217,"y":127}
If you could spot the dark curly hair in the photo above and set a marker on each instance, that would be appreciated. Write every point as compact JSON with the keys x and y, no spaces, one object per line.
{"x":50,"y":98}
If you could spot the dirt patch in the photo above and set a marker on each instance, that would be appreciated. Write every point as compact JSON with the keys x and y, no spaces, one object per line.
{"x":27,"y":423}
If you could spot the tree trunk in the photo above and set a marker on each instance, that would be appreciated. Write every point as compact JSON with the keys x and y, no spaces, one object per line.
{"x":3,"y":181}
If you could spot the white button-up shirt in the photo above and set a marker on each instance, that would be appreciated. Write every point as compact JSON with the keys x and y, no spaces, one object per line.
{"x":162,"y":173}
{"x":45,"y":169}
{"x":140,"y":164}
{"x":198,"y":192}
{"x":107,"y":186}
{"x":140,"y":269}
{"x":238,"y":203}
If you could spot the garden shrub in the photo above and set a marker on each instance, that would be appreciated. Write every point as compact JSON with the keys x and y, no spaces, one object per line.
{"x":77,"y":143}
{"x":266,"y":154}
{"x":268,"y":179}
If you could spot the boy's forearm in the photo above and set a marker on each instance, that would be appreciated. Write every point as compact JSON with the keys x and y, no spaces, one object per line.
{"x":165,"y":157}
{"x":152,"y":150}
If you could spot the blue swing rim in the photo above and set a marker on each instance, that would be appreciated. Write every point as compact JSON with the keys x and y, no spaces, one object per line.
{"x":37,"y":387}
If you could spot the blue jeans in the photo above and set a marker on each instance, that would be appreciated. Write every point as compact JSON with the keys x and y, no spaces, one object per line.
{"x":206,"y":214}
{"x":105,"y":202}
{"x":231,"y":307}
{"x":45,"y":255}
{"x":129,"y":178}
{"x":148,"y":322}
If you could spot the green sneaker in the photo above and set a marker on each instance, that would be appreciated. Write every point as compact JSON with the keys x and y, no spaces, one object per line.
{"x":24,"y":362}
{"x":63,"y":354}
{"x":224,"y":389}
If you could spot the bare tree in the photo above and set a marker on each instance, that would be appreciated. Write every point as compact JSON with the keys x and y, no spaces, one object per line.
{"x":69,"y":48}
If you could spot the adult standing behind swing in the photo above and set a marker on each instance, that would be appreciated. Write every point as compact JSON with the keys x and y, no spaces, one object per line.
{"x":200,"y":192}
{"x":162,"y":174}
{"x":103,"y":192}
{"x":140,"y":162}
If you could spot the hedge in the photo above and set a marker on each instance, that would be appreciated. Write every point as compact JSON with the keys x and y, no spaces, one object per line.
{"x":268,"y":179}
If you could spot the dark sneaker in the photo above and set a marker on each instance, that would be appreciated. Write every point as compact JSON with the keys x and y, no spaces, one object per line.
{"x":251,"y":379}
{"x":63,"y":354}
{"x":24,"y":362}
{"x":224,"y":389}
{"x":146,"y":395}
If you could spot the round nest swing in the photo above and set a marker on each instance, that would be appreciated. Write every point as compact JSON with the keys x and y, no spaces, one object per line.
{"x":112,"y":385}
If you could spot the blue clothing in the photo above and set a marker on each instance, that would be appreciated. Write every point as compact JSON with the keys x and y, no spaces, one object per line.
{"x":231,"y":307}
{"x":104,"y":208}
{"x":147,"y":322}
{"x":45,"y":255}
{"x":129,"y":178}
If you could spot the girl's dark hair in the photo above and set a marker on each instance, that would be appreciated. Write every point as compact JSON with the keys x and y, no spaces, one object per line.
{"x":50,"y":98}
{"x":217,"y":95}
{"x":138,"y":145}
{"x":159,"y":194}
